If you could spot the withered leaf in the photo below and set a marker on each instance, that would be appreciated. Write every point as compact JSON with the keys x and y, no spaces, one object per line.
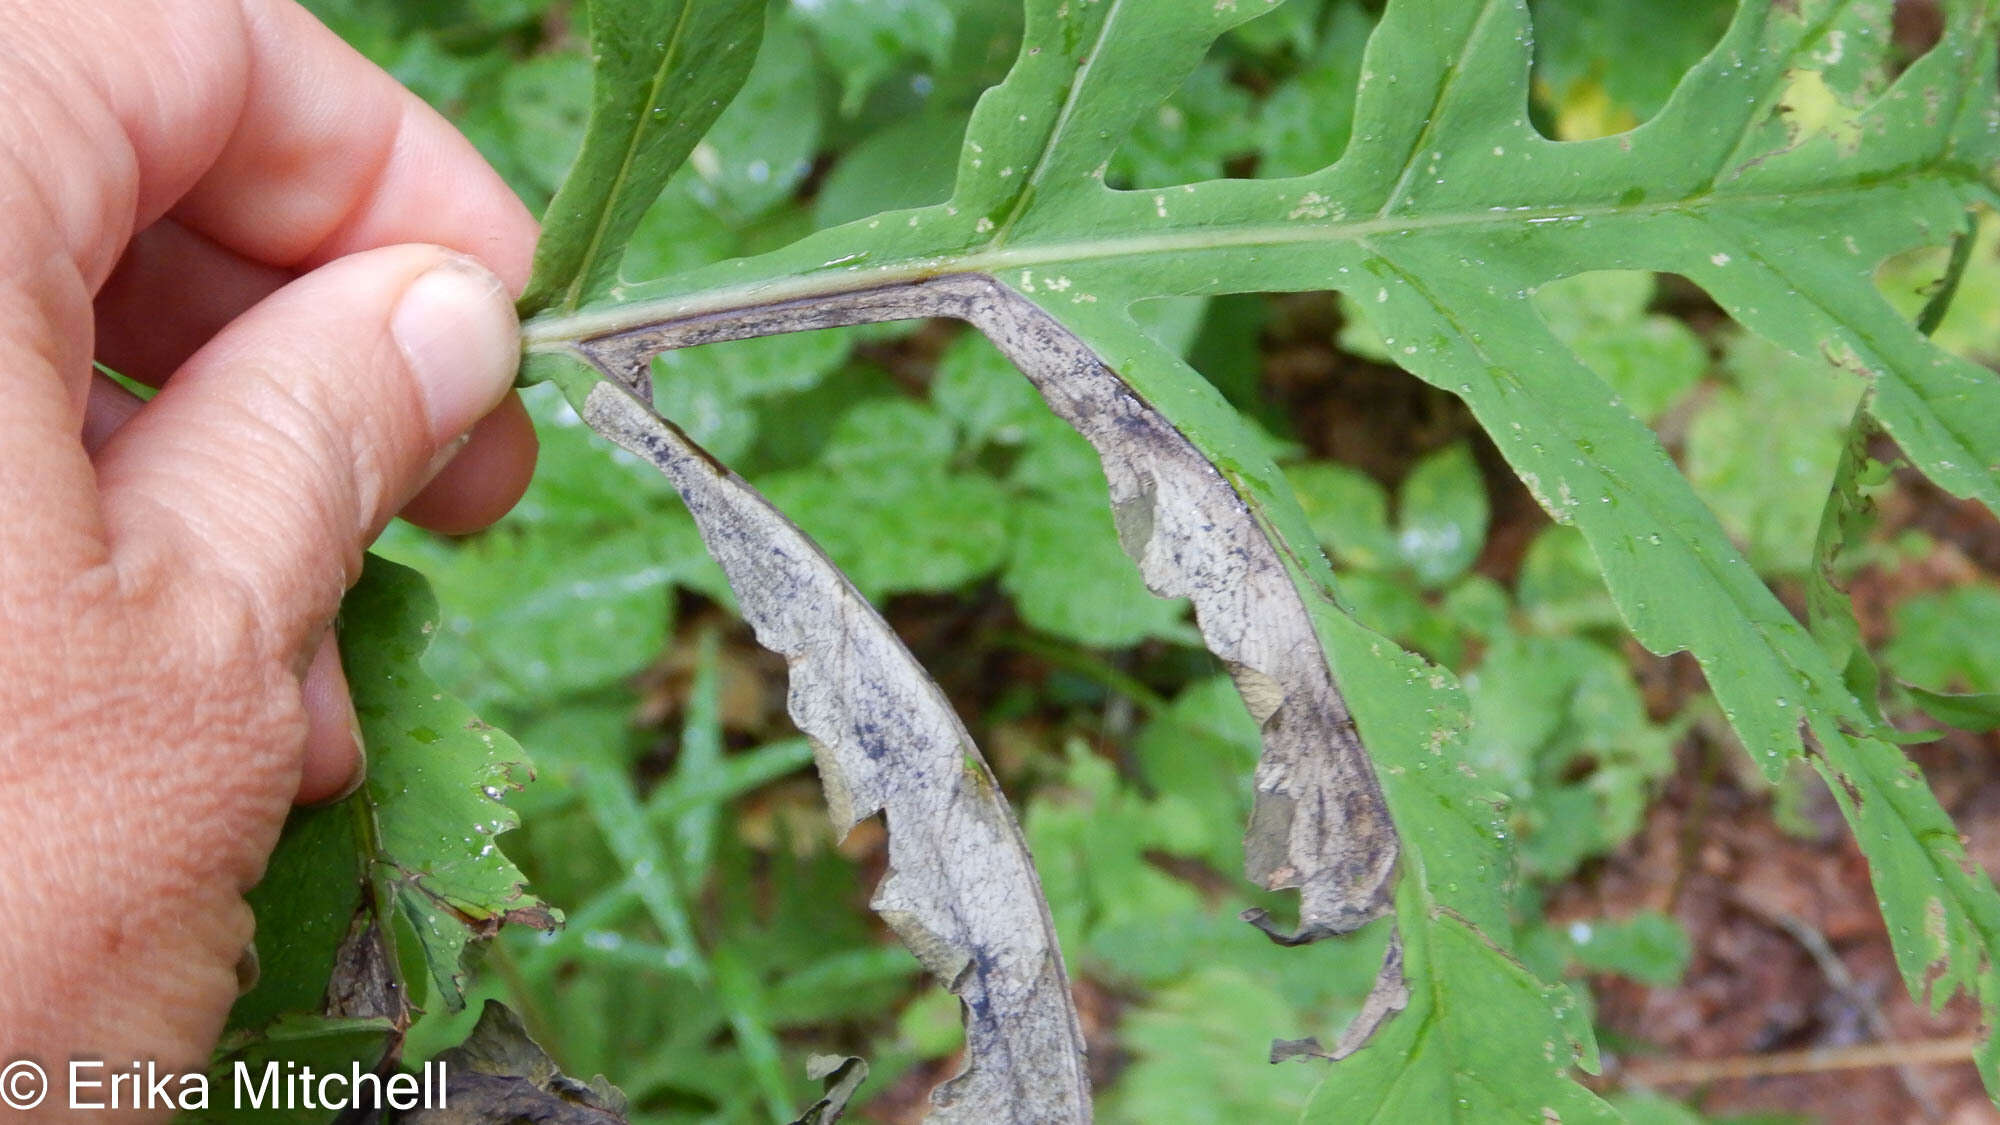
{"x":1320,"y":823}
{"x":843,"y":1075}
{"x":961,"y":891}
{"x":499,"y":1076}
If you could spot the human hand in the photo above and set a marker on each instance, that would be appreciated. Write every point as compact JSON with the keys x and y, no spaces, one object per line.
{"x":168,"y":574}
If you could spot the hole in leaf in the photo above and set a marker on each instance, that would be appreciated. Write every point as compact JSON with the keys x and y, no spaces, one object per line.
{"x":759,"y":403}
{"x":1199,"y":133}
{"x":1273,"y":98}
{"x":923,"y":463}
{"x":1918,"y":26}
{"x":1971,"y":321}
{"x":1603,"y":66}
{"x":1608,"y":320}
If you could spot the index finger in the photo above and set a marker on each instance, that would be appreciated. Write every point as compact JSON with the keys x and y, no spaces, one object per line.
{"x":331,"y":156}
{"x":249,"y":121}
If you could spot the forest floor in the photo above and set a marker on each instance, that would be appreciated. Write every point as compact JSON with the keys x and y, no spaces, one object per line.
{"x":1793,"y":1002}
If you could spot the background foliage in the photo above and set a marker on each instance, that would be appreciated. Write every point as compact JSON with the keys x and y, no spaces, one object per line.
{"x":717,"y":936}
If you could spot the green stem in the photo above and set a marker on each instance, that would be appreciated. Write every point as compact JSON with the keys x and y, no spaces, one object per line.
{"x":1934,"y":310}
{"x":1829,"y":614}
{"x":776,"y":277}
{"x":1088,"y":665}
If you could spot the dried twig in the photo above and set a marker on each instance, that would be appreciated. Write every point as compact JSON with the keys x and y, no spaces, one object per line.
{"x":1814,"y":1060}
{"x":1850,"y":990}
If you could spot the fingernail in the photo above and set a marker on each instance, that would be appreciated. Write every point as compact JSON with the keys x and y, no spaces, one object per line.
{"x":444,"y":455}
{"x":456,"y":328}
{"x":360,"y":775}
{"x":248,"y":969}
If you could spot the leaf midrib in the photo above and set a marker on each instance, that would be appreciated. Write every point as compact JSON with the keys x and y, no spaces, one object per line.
{"x":1950,"y":423}
{"x":573,"y":293}
{"x":1433,"y":119}
{"x":1779,"y":659}
{"x":560,"y":332}
{"x":1054,"y":142}
{"x":1774,"y":656}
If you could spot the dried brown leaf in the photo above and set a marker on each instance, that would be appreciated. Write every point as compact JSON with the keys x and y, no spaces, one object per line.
{"x":1320,"y":823}
{"x":961,"y":891}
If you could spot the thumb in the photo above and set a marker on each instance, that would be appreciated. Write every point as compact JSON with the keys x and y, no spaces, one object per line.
{"x":280,"y":449}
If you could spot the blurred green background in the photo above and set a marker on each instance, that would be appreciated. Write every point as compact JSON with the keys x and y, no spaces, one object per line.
{"x":718,"y":933}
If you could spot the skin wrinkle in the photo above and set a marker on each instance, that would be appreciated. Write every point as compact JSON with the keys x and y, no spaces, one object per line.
{"x":61,"y":537}
{"x":104,"y":177}
{"x":178,"y":146}
{"x":95,"y":611}
{"x":43,"y":277}
{"x":150,"y":93}
{"x":158,"y":606}
{"x":186,"y":526}
{"x":369,"y":477}
{"x":50,"y":129}
{"x":193,"y":54}
{"x":168,"y":265}
{"x":330,"y":157}
{"x":29,"y":137}
{"x":391,"y":144}
{"x":381,"y":148}
{"x":296,"y":423}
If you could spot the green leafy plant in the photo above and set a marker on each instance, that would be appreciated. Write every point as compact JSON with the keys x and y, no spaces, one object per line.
{"x":1775,"y":175}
